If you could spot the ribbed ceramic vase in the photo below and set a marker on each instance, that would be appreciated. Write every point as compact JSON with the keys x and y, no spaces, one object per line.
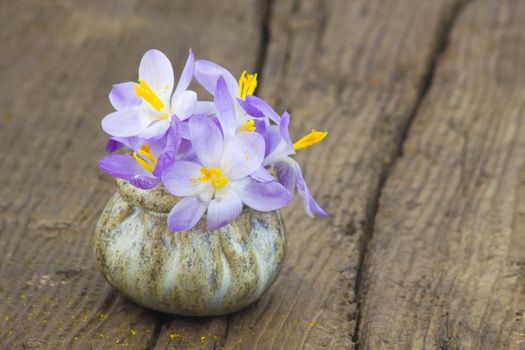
{"x":196,"y":272}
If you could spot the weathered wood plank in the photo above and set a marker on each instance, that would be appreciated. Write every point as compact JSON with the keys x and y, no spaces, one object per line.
{"x":354,"y":68}
{"x":445,"y":268}
{"x":58,"y":62}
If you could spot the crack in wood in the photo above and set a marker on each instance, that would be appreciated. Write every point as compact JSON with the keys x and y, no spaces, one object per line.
{"x":265,"y":39}
{"x":161,"y":320}
{"x":440,"y":46}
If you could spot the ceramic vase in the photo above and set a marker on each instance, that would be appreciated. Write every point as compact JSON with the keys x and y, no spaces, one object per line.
{"x":197,"y":272}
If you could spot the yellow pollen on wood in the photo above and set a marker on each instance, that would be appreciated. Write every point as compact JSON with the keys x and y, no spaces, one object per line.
{"x":214,"y":175}
{"x":309,"y":140}
{"x":248,"y":126}
{"x":142,"y":89}
{"x":247,"y":84}
{"x":145,"y":158}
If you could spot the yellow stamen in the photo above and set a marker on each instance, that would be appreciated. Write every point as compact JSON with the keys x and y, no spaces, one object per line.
{"x":247,"y":84}
{"x":214,"y":175}
{"x":142,"y":89}
{"x":145,"y":158}
{"x":248,"y":126}
{"x":145,"y":151}
{"x":309,"y":140}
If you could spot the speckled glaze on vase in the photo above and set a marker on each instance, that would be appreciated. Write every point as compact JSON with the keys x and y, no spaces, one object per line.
{"x":196,"y":272}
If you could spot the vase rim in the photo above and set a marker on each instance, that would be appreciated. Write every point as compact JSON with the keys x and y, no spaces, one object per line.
{"x":157,"y":199}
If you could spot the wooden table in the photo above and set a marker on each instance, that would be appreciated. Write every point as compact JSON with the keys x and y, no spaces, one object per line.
{"x":423,"y":171}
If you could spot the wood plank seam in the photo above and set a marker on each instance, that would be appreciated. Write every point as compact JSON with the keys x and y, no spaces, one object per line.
{"x":440,"y":46}
{"x":354,"y":68}
{"x":444,"y":268}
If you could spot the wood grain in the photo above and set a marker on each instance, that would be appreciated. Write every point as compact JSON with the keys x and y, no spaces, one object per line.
{"x":357,"y":69}
{"x":59,"y":59}
{"x":354,"y":68}
{"x":445,"y":267}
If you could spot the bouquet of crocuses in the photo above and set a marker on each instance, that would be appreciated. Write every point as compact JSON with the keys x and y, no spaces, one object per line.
{"x":217,"y":155}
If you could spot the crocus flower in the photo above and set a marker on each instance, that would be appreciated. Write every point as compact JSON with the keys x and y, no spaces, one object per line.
{"x":145,"y":109}
{"x":219,"y":183}
{"x":208,"y":73}
{"x":143,"y":169}
{"x":279,"y":149}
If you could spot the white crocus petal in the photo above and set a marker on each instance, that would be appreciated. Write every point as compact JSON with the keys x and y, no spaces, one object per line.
{"x":207,"y":73}
{"x":281,"y":151}
{"x":183,"y":106}
{"x":122,"y":96}
{"x":156,"y":70}
{"x":181,"y":179}
{"x":206,"y":139}
{"x":207,"y":194}
{"x":262,"y":196}
{"x":262,"y":175}
{"x":156,"y":129}
{"x":224,"y":208}
{"x":125,"y":123}
{"x":186,"y":75}
{"x":205,"y":108}
{"x":243,"y":155}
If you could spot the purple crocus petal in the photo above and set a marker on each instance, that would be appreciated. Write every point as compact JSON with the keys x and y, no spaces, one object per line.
{"x":287,"y":174}
{"x":128,"y":141}
{"x":262,"y":175}
{"x":225,"y":108}
{"x":186,"y":213}
{"x":144,"y":182}
{"x":207,"y":73}
{"x":278,"y":152}
{"x":183,"y":106}
{"x":316,"y":208}
{"x":283,"y":127}
{"x":156,"y":129}
{"x":185,"y":129}
{"x":158,"y":144}
{"x":262,"y":196}
{"x":310,"y":205}
{"x":113,"y":145}
{"x":186,"y":75}
{"x":125,"y":123}
{"x":122,"y":96}
{"x":263,"y":107}
{"x":272,"y":138}
{"x":261,"y":125}
{"x":243,"y":155}
{"x":180,"y":179}
{"x":186,"y":151}
{"x":206,"y":139}
{"x":222,"y":210}
{"x":205,"y":108}
{"x":156,"y":70}
{"x":169,"y":154}
{"x":165,"y":160}
{"x":250,"y":109}
{"x":121,"y":166}
{"x":291,"y":176}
